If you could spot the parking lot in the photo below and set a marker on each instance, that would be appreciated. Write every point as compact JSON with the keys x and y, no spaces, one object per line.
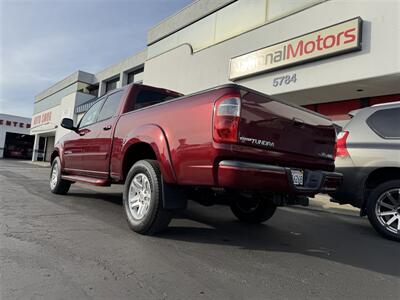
{"x":79,"y":246}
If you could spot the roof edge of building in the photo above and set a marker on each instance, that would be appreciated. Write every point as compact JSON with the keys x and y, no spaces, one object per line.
{"x":79,"y":75}
{"x":14,"y":116}
{"x":187,"y":15}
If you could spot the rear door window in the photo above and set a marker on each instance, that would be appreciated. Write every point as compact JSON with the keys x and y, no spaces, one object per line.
{"x":386,"y":123}
{"x":147,"y":98}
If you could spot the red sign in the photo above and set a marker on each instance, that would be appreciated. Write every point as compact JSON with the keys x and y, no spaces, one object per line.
{"x":43,"y":118}
{"x":326,"y":42}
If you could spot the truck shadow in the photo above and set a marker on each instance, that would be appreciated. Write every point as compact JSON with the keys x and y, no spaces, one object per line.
{"x":114,"y":198}
{"x":343,"y":239}
{"x":339,"y":238}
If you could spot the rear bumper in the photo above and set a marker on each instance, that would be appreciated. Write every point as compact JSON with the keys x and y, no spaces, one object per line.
{"x":247,"y":175}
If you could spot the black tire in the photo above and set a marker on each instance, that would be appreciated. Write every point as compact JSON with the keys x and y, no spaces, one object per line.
{"x":378,"y":222}
{"x":252,"y":211}
{"x":156,"y":219}
{"x":60,"y":186}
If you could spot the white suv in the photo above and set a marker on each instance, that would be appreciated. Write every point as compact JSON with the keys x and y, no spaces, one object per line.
{"x":368,"y":156}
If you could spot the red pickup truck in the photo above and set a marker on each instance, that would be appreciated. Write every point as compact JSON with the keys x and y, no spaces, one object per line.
{"x":229,"y":144}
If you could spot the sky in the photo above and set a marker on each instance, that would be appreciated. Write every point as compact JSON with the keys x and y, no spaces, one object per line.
{"x":43,"y":41}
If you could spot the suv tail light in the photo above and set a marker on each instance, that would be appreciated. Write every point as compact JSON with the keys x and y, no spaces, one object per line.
{"x":226,"y":119}
{"x":341,"y":148}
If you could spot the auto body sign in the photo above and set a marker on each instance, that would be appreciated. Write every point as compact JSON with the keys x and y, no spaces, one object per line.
{"x":330,"y":41}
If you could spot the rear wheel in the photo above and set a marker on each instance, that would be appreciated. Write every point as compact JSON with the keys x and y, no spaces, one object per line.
{"x":384,"y":209}
{"x":58,"y":185}
{"x":143,"y":199}
{"x":250,"y":210}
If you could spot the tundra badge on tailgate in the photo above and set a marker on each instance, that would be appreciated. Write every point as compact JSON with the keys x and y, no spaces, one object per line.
{"x":268,"y":144}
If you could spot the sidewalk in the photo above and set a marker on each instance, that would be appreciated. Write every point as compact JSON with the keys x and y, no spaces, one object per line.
{"x":322,"y":203}
{"x":43,"y":164}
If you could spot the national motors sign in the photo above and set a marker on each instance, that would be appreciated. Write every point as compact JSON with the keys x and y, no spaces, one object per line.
{"x":334,"y":40}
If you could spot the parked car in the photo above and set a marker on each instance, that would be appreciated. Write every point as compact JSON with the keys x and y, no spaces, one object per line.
{"x":228,"y":143}
{"x":368,"y":156}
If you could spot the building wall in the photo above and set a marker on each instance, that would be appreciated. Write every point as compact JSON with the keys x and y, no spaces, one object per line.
{"x":47,"y":123}
{"x":18,"y":124}
{"x":67,"y":111}
{"x":186,"y":72}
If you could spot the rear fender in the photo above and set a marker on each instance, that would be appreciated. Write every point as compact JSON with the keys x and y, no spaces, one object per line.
{"x":154,"y":136}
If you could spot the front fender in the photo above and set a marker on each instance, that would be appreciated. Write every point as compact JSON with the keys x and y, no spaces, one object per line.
{"x":58,"y":151}
{"x":154,"y":136}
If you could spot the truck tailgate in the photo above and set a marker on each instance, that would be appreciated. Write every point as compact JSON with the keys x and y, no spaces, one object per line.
{"x":273,"y":125}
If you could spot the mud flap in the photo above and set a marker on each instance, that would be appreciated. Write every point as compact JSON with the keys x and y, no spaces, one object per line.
{"x":173,"y":197}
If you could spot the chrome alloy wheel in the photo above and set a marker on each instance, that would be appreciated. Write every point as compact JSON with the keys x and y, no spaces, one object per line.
{"x":387,"y":210}
{"x":139,"y":196}
{"x":54,"y":176}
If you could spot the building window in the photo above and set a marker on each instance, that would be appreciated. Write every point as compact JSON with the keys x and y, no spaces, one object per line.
{"x":112,"y":84}
{"x":93,"y":90}
{"x":135,"y":76}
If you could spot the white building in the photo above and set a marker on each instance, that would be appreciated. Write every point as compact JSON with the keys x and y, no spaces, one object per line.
{"x":15,"y":141}
{"x":331,"y":56}
{"x":72,"y":96}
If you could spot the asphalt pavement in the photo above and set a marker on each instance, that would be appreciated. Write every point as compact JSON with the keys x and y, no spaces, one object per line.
{"x":78,"y":246}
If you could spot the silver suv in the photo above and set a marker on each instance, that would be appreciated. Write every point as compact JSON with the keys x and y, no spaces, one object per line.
{"x":368,"y":156}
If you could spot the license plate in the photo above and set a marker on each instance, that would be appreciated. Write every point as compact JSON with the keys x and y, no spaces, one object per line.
{"x":297,"y":177}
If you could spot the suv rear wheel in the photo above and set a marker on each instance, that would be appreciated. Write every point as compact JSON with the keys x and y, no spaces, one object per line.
{"x":143,"y":198}
{"x":250,"y":210}
{"x":384,"y":209}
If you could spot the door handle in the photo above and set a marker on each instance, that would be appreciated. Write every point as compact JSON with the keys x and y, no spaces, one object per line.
{"x":82,"y":133}
{"x":108,"y":127}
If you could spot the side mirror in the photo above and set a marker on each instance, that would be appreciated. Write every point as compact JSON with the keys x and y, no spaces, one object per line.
{"x":68,"y":124}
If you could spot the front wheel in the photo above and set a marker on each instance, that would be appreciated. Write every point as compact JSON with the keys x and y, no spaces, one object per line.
{"x":58,"y":185}
{"x":143,"y":198}
{"x":384,"y":209}
{"x":250,"y":210}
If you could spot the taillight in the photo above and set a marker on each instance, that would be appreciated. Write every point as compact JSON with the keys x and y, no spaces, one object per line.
{"x":341,"y":148}
{"x":226,"y":119}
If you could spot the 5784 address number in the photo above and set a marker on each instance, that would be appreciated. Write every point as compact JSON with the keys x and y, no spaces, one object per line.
{"x":284,"y":80}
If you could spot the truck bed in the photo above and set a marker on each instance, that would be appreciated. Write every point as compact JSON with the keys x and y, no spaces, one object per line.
{"x":270,"y":132}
